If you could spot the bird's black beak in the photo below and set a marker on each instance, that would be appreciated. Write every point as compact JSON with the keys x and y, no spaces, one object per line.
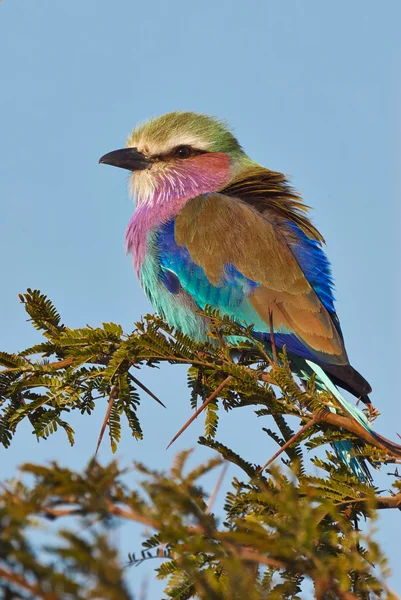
{"x":126,"y":158}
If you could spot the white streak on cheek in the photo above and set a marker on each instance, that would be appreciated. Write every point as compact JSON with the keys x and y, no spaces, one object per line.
{"x":142,"y":186}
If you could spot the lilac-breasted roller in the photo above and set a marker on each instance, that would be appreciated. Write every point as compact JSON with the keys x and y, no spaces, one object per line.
{"x":213,"y":227}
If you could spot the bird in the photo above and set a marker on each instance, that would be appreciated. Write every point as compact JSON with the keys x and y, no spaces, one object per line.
{"x":212,"y":227}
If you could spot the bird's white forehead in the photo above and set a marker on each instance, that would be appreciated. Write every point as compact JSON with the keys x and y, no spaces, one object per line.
{"x":151,"y":147}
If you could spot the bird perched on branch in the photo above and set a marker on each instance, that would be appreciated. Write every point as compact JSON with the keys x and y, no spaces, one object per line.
{"x":213,"y":227}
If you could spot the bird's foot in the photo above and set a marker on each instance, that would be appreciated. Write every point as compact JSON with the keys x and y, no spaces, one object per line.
{"x":373,"y":412}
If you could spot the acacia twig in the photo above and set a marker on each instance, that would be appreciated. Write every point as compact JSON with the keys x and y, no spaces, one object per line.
{"x":216,"y":488}
{"x":19,"y":581}
{"x":272,"y":340}
{"x":113,"y":395}
{"x":292,"y":439}
{"x":145,"y":389}
{"x":200,"y":409}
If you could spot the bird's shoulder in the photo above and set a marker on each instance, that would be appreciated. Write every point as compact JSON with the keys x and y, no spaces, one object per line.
{"x":270,"y":194}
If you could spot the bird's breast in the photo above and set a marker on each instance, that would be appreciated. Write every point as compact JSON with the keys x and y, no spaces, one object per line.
{"x":138,"y":235}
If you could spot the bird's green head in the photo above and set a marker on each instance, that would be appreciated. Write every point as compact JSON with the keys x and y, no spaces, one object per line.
{"x":180,"y":154}
{"x":166,"y":134}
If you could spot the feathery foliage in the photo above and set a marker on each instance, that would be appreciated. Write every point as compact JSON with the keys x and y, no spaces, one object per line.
{"x":281,"y":526}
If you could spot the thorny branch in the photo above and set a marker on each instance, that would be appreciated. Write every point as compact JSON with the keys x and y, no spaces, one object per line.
{"x":321,"y":416}
{"x":128,"y":513}
{"x":96,"y":362}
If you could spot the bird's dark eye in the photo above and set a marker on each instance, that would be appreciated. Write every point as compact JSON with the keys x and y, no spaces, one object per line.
{"x":183,"y":152}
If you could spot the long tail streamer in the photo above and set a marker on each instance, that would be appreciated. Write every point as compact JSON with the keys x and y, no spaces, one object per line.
{"x":344,"y":448}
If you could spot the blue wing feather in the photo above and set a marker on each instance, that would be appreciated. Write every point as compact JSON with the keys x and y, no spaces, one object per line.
{"x":314,"y":264}
{"x":233,"y":289}
{"x":179,"y":271}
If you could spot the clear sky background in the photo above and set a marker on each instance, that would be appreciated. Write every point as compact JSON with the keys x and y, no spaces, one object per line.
{"x":311,"y":88}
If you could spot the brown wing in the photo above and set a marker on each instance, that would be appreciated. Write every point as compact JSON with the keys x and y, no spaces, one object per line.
{"x":219,"y":230}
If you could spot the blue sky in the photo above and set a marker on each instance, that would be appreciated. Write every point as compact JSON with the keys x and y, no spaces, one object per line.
{"x":312,"y":89}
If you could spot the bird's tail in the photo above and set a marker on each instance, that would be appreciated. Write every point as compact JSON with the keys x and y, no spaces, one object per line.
{"x":344,"y":448}
{"x":354,"y":411}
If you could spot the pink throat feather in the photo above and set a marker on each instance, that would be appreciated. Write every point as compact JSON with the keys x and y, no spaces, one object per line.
{"x":203,"y":174}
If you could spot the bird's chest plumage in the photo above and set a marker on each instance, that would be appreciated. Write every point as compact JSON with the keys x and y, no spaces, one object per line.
{"x":160,"y":284}
{"x":175,"y":284}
